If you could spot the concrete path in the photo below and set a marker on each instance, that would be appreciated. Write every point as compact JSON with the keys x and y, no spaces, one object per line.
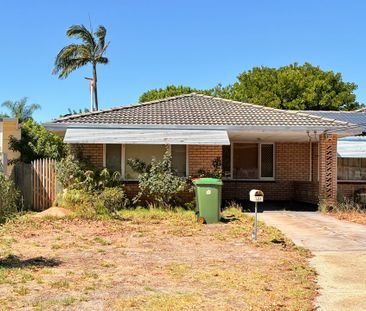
{"x":339,"y":249}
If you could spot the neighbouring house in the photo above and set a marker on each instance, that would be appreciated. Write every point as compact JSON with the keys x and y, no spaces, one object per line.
{"x":351,"y":151}
{"x":291,"y":156}
{"x":8,"y":127}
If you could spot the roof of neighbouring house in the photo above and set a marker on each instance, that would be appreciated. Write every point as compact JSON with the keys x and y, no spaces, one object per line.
{"x":357,"y":117}
{"x":197,"y":110}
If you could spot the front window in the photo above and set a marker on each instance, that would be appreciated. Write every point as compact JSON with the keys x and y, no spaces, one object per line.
{"x":249,"y":161}
{"x":245,"y":161}
{"x":144,"y":153}
{"x":113,"y":157}
{"x":267,"y":167}
{"x":116,"y":157}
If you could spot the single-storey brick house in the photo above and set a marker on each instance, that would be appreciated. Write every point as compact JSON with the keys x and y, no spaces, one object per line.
{"x":289,"y":155}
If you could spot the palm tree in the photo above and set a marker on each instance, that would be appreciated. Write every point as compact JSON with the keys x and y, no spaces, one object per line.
{"x":74,"y":56}
{"x":20,"y":109}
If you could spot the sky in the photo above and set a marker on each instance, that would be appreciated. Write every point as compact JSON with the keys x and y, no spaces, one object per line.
{"x":198,"y":43}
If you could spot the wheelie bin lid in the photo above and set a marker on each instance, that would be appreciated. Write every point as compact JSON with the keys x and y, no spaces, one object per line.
{"x":207,"y":181}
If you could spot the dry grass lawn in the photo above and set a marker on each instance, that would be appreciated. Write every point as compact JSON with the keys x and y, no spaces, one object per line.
{"x":353,"y":216}
{"x":150,"y":260}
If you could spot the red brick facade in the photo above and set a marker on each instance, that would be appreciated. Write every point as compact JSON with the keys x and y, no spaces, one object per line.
{"x":293,"y":180}
{"x":201,"y":157}
{"x":93,"y":152}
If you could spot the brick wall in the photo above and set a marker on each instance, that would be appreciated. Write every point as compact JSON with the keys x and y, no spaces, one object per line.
{"x":273,"y":190}
{"x":346,"y":190}
{"x":94,"y":152}
{"x":292,"y":161}
{"x":306,"y":191}
{"x":201,"y":157}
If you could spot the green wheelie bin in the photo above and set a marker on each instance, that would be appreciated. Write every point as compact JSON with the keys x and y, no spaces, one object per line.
{"x":208,"y":199}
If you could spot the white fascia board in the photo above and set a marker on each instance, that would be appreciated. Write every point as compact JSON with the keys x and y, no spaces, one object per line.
{"x":335,"y":129}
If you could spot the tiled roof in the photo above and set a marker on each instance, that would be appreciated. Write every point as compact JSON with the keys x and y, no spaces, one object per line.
{"x":356,"y":117}
{"x":197,"y":109}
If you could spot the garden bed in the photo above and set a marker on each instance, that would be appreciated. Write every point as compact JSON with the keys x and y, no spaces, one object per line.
{"x":151,"y":260}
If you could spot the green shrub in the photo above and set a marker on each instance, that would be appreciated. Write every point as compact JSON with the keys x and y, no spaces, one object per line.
{"x":83,"y":203}
{"x":75,"y":172}
{"x":90,"y":204}
{"x":9,"y":198}
{"x":158,"y":181}
{"x":113,"y":199}
{"x":68,"y":171}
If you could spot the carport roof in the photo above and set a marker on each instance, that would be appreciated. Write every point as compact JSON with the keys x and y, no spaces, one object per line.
{"x":197,"y":110}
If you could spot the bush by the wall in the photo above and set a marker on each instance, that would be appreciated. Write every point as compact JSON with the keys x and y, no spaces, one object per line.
{"x":158,"y":181}
{"x":9,"y":198}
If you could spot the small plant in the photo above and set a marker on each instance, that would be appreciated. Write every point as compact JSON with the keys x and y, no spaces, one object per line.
{"x":113,"y":199}
{"x":158,"y":181}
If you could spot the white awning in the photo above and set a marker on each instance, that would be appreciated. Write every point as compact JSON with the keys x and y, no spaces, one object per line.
{"x":353,"y":147}
{"x":150,"y":137}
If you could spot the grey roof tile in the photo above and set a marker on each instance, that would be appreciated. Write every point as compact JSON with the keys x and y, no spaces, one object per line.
{"x":197,"y":109}
{"x":357,"y":117}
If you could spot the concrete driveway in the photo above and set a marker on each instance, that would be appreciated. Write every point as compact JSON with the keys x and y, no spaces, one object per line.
{"x":339,"y":249}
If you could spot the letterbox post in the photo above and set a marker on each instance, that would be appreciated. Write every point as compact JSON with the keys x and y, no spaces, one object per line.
{"x":254,"y":233}
{"x":255,"y":196}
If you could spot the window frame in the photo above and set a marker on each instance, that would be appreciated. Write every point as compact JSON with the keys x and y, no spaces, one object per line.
{"x":260,"y":178}
{"x":123,"y":160}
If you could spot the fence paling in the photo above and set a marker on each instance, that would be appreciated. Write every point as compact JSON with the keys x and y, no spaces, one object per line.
{"x":43,"y":183}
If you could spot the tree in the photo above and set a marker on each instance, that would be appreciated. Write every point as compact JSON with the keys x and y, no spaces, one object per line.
{"x":304,"y":87}
{"x":21,"y":109}
{"x":297,"y":87}
{"x":3,"y":115}
{"x":169,"y":91}
{"x":37,"y":143}
{"x":74,"y":56}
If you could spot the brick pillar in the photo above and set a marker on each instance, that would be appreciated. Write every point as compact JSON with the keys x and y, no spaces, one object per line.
{"x":328,"y":169}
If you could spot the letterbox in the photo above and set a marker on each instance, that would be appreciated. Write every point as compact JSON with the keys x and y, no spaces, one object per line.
{"x":256,"y":195}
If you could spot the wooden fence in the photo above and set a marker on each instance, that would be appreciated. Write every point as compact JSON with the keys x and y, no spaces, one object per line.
{"x":37,"y":183}
{"x":43,"y":177}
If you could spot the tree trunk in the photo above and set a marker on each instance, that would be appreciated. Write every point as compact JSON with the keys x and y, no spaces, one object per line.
{"x":96,"y":107}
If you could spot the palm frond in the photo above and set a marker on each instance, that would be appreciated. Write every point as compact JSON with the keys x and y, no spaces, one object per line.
{"x":102,"y":60}
{"x":81,"y":32}
{"x":100,"y":34}
{"x":67,"y":54}
{"x":20,"y":109}
{"x":69,"y":65}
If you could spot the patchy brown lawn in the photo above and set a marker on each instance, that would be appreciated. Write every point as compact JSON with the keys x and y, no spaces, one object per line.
{"x":150,"y":260}
{"x":353,"y":216}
